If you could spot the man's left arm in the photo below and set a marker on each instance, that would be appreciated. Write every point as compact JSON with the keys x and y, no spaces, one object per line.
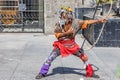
{"x":96,"y":21}
{"x":87,"y":22}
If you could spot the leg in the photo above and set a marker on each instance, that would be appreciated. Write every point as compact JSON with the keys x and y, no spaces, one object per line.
{"x":84,"y":58}
{"x":45,"y":67}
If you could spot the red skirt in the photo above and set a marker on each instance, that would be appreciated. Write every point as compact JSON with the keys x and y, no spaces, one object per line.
{"x":66,"y":47}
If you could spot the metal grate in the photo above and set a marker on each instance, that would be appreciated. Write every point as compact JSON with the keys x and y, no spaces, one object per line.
{"x":21,"y":16}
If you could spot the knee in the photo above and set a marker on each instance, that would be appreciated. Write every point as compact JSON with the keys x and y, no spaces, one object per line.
{"x":83,"y":57}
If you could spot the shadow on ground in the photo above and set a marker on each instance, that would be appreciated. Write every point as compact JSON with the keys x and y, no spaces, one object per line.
{"x":67,"y":70}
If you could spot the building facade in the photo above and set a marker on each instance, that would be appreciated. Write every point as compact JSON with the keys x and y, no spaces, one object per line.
{"x":34,"y":15}
{"x":21,"y":15}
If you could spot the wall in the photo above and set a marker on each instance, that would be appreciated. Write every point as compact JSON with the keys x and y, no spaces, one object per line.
{"x":111,"y":33}
{"x":110,"y":36}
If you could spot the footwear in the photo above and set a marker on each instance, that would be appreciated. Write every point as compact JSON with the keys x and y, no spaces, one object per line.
{"x":39,"y":76}
{"x":89,"y":71}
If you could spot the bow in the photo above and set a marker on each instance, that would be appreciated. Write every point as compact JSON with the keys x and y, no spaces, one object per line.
{"x":101,"y":31}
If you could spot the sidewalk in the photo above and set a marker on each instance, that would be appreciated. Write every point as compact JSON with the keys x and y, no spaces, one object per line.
{"x":22,"y":55}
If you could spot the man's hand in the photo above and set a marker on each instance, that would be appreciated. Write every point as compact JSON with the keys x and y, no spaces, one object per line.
{"x":104,"y":20}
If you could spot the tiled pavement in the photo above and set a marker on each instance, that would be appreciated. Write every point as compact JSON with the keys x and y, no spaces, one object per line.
{"x":22,"y":55}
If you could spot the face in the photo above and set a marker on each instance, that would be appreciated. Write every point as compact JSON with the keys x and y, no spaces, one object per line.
{"x":64,"y":15}
{"x":69,"y":21}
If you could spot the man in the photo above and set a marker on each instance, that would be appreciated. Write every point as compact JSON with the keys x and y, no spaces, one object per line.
{"x":66,"y":45}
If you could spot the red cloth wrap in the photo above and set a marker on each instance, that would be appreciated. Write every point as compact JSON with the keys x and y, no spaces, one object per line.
{"x":71,"y":48}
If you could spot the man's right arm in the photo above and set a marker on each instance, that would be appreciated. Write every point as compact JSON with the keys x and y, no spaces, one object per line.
{"x":63,"y":34}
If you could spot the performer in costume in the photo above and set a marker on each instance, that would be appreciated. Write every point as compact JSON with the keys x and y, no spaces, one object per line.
{"x":65,"y":44}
